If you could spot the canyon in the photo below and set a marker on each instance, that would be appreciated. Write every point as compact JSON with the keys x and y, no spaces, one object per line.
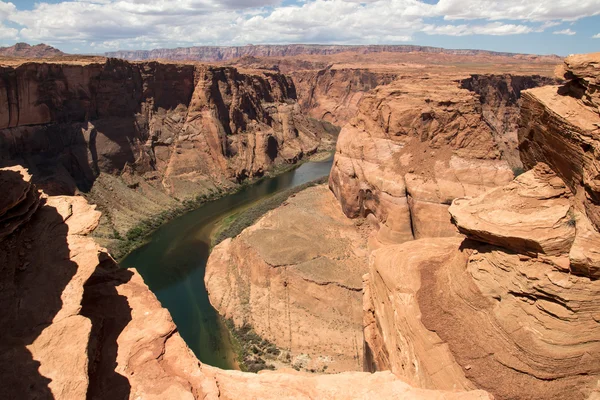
{"x":139,"y":138}
{"x":453,"y":253}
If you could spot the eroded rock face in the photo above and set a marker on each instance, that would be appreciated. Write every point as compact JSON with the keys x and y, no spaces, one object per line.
{"x":560,"y":127}
{"x":167,"y":131}
{"x":532,"y":214}
{"x":295,"y":277}
{"x":512,"y":308}
{"x":503,"y":310}
{"x":415,"y":145}
{"x":333,"y":94}
{"x":500,"y":98}
{"x":19,"y":201}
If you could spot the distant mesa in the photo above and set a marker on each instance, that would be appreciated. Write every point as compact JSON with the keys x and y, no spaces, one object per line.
{"x":224,"y":53}
{"x":26,"y":50}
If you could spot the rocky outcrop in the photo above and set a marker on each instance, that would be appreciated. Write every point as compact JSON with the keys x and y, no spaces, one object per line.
{"x":221,"y":53}
{"x":502,"y":311}
{"x":167,"y":131}
{"x":560,"y":126}
{"x":532,"y":214}
{"x":304,"y":296}
{"x":27,"y":51}
{"x":415,"y":145}
{"x":511,"y":309}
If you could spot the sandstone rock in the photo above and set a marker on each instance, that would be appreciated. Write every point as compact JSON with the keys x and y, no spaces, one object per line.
{"x":559,"y":126}
{"x":395,"y":337}
{"x":500,"y":98}
{"x":419,"y":136}
{"x":520,"y":327}
{"x":532,"y":214}
{"x":583,"y":70}
{"x":333,"y":94}
{"x":585,"y":252}
{"x":304,"y":296}
{"x":348,"y":385}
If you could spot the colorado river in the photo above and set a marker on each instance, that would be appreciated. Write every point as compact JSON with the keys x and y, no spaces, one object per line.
{"x":173,"y":261}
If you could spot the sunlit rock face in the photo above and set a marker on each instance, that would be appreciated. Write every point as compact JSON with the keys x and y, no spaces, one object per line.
{"x":510,"y":309}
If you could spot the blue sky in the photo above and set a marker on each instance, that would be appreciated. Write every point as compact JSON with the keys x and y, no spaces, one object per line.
{"x":94,"y":26}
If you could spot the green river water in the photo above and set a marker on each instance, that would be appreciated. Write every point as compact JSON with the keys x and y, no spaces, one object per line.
{"x":173,"y":261}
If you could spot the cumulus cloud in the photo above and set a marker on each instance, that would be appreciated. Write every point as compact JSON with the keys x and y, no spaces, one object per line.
{"x":567,"y":31}
{"x":537,"y":10}
{"x":112,"y":24}
{"x":495,"y":29}
{"x":6,"y":9}
{"x":596,"y":36}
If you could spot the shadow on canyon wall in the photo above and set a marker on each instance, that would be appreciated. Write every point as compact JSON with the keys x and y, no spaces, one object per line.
{"x":35,"y":270}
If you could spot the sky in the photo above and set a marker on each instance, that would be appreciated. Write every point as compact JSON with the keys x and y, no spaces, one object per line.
{"x":559,"y":27}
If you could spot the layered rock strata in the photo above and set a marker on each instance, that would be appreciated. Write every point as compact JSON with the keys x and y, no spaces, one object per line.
{"x":503,"y":311}
{"x":415,"y":145}
{"x":560,"y":126}
{"x":166,"y":131}
{"x":295,"y":277}
{"x":512,"y":308}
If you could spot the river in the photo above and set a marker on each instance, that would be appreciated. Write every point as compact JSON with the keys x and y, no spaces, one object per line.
{"x":173,"y":260}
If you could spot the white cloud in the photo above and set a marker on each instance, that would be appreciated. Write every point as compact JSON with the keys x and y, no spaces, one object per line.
{"x":112,"y":24}
{"x":495,"y":29}
{"x":7,"y":33}
{"x":567,"y":31}
{"x":6,"y":9}
{"x":596,"y":36}
{"x":536,"y":10}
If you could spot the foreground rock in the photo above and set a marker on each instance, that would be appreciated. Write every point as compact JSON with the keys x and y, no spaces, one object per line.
{"x":295,"y":277}
{"x":464,"y":311}
{"x":560,"y":126}
{"x":349,"y":385}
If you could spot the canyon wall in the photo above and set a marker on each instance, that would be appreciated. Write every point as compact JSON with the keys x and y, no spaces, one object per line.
{"x":510,"y":309}
{"x":139,"y":137}
{"x":295,"y":278}
{"x":421,"y":141}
